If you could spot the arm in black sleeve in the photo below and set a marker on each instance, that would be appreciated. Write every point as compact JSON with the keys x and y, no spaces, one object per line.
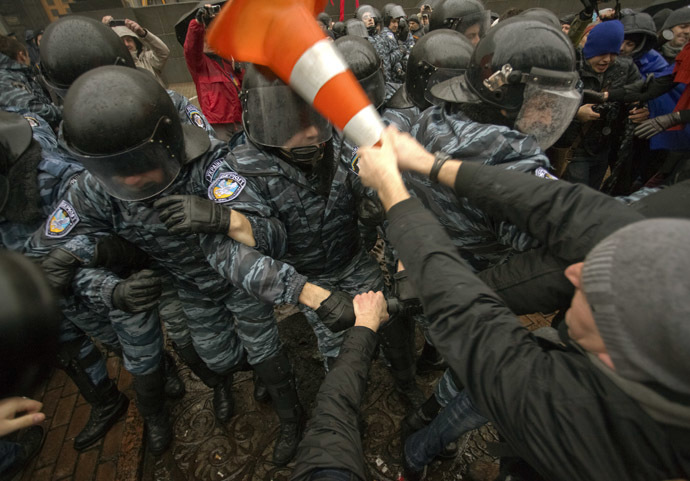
{"x":656,"y":88}
{"x":568,"y":219}
{"x":333,"y":439}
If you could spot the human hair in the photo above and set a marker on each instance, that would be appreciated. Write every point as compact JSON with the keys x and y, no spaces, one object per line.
{"x":11,"y":47}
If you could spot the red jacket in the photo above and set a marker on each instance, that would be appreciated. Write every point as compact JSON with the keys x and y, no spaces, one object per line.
{"x":216,"y":82}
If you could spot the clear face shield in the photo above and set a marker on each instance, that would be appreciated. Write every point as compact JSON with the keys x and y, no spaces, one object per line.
{"x":375,"y":87}
{"x":276,"y":117}
{"x":550,"y":102}
{"x":135,"y":174}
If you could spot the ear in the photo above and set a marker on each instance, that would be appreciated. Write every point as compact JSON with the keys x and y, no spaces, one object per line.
{"x":606,"y":359}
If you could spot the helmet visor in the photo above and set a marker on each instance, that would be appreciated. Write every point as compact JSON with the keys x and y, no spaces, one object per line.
{"x":275,"y":116}
{"x":375,"y":87}
{"x":473,"y":25}
{"x":440,"y":75}
{"x":550,"y":102}
{"x":135,"y":174}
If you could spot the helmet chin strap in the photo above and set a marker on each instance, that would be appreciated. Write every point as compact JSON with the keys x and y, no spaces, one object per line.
{"x":304,"y":157}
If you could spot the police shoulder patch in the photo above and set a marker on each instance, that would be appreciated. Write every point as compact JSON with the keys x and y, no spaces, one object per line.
{"x":62,"y":220}
{"x":195,"y":116}
{"x":354,"y":161}
{"x":33,"y":122}
{"x":544,"y":174}
{"x":226,"y":187}
{"x":390,"y":35}
{"x":213,"y":168}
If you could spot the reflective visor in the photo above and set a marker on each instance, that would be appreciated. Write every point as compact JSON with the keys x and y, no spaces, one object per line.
{"x":438,"y":76}
{"x":134,"y":174}
{"x":375,"y":87}
{"x":276,"y":117}
{"x":550,"y":102}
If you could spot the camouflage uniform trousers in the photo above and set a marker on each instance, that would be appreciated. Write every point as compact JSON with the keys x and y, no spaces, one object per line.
{"x":229,"y":330}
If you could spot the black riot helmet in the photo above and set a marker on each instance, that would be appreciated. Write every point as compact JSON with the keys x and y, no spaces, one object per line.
{"x":355,"y":27}
{"x":275,"y":117}
{"x":15,"y":139}
{"x":339,"y":28}
{"x":680,"y":16}
{"x":436,"y":57}
{"x":370,"y":16}
{"x":361,"y":57}
{"x":392,"y":11}
{"x":73,"y":45}
{"x":29,"y":325}
{"x":123,"y":127}
{"x":525,"y":68}
{"x":640,"y":28}
{"x":542,"y":14}
{"x":469,"y":17}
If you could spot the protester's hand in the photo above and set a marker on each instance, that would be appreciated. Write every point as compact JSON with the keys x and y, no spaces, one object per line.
{"x":107,"y":19}
{"x":135,"y":27}
{"x":378,"y":165}
{"x":639,"y":115}
{"x":60,"y":266}
{"x":410,"y":153}
{"x":336,"y":312}
{"x":19,"y":413}
{"x":651,"y":127}
{"x":586,"y":114}
{"x":138,"y":293}
{"x":188,"y":214}
{"x":370,"y":310}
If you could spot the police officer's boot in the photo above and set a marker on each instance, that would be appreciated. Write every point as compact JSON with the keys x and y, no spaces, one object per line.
{"x":108,"y":404}
{"x":276,"y":372}
{"x":430,"y":360}
{"x":174,"y":387}
{"x":397,"y":341}
{"x":260,"y":392}
{"x":151,"y":404}
{"x":223,"y":403}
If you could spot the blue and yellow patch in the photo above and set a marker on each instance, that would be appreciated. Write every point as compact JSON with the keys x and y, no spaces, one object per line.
{"x":195,"y":116}
{"x":226,"y":187}
{"x":544,"y":174}
{"x":62,"y":220}
{"x":354,"y":161}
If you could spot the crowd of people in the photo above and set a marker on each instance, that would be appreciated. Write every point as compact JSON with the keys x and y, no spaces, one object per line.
{"x":530,"y":164}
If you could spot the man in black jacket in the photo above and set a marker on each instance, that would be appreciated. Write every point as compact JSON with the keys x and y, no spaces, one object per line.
{"x":332,"y":446}
{"x":610,"y":399}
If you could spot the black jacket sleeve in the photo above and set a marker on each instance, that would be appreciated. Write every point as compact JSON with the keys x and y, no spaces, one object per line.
{"x":567,"y":219}
{"x":333,"y":439}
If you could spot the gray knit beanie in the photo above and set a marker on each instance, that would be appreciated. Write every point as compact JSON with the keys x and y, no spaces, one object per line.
{"x":637,"y":282}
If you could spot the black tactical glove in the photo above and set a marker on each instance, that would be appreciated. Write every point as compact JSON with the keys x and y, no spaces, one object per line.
{"x":589,"y":5}
{"x":593,"y":97}
{"x":119,"y":255}
{"x":649,"y":128}
{"x":337,"y":312}
{"x":188,"y":214}
{"x":406,"y":301}
{"x":202,"y":15}
{"x":138,"y":293}
{"x":60,"y":267}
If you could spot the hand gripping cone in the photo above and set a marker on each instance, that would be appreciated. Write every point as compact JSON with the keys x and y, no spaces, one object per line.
{"x":263,"y":32}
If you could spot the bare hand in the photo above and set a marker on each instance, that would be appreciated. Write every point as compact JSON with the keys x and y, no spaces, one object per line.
{"x":135,"y":27}
{"x":377,"y":166}
{"x":639,"y":115}
{"x":11,"y":407}
{"x":107,"y":19}
{"x":410,"y":153}
{"x":370,"y":310}
{"x":586,"y":114}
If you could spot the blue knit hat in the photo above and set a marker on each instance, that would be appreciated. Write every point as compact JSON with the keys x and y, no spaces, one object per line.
{"x":607,"y":37}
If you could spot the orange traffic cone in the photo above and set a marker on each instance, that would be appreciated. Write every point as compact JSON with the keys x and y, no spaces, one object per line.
{"x":263,"y":32}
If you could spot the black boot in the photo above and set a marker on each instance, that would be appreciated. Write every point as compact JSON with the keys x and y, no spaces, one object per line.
{"x":276,"y":372}
{"x":150,"y":401}
{"x":108,"y":405}
{"x":430,"y":360}
{"x":397,"y":341}
{"x":223,"y":403}
{"x":421,"y":416}
{"x":174,"y":387}
{"x":260,"y":392}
